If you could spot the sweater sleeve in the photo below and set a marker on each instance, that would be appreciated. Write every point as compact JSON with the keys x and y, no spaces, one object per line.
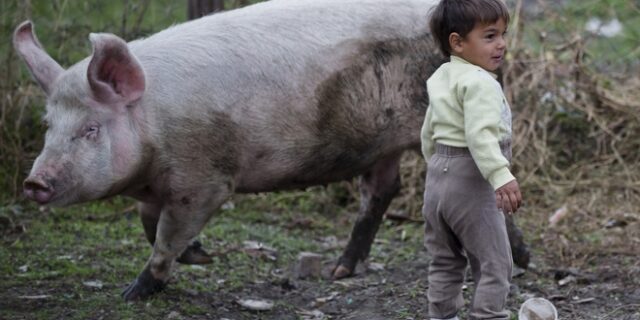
{"x":482,"y":104}
{"x":426,"y":135}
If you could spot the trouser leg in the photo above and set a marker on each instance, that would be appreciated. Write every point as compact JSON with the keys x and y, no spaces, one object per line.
{"x":448,"y":263}
{"x":481,"y":230}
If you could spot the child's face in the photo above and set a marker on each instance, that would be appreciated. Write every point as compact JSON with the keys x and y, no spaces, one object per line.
{"x":484,"y":46}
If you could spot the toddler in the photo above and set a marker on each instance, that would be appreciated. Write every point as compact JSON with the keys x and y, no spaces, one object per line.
{"x":466,"y":141}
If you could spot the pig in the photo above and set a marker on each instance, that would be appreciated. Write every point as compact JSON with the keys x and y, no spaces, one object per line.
{"x":279,"y":95}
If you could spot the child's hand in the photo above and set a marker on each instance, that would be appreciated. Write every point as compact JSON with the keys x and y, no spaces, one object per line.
{"x":508,"y":197}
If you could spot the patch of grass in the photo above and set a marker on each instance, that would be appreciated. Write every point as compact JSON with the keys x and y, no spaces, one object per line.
{"x":62,"y":250}
{"x":62,"y":242}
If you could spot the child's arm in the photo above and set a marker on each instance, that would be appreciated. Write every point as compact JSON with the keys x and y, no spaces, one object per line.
{"x":426,"y":135}
{"x":483,"y":111}
{"x":482,"y":108}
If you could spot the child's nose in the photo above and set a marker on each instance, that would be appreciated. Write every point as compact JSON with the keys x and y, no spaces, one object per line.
{"x":502,"y":42}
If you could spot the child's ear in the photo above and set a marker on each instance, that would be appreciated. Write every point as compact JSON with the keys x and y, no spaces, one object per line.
{"x":455,"y":42}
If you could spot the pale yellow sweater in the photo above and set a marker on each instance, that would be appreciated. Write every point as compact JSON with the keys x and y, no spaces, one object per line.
{"x":467,"y":108}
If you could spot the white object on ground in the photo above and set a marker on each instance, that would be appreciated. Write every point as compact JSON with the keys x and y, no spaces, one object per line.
{"x":538,"y":309}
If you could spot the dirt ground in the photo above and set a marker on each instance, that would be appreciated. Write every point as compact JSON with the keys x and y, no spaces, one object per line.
{"x":395,"y":291}
{"x":50,"y":262}
{"x":609,"y":291}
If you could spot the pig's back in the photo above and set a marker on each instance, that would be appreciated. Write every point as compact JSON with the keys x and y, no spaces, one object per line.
{"x":271,"y":46}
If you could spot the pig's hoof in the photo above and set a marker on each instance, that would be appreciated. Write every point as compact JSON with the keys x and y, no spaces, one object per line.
{"x":143,"y":287}
{"x":341,"y":272}
{"x":521,"y":256}
{"x":194,"y":255}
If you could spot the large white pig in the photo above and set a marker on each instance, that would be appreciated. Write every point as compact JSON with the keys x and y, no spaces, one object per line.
{"x":279,"y":95}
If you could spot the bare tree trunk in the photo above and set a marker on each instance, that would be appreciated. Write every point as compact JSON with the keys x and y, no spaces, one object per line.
{"x":199,"y":8}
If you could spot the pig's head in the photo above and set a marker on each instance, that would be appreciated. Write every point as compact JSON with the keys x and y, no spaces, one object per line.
{"x":95,"y":124}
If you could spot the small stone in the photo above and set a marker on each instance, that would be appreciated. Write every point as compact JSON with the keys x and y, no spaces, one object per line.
{"x":256,"y":305}
{"x":374,"y":266}
{"x":308,"y":265}
{"x":197,"y":267}
{"x":312,"y":315}
{"x":566,"y":280}
{"x":93,"y":284}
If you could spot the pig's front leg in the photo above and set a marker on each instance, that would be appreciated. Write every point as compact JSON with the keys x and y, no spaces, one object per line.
{"x":150,"y":215}
{"x":181,"y":219}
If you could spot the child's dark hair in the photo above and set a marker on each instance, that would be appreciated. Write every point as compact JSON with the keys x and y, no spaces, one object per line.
{"x":461,"y":16}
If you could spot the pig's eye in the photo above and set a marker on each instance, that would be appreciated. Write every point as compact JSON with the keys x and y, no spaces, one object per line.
{"x":91,"y":131}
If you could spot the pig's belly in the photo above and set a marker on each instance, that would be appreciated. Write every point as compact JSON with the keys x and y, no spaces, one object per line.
{"x":295,"y":174}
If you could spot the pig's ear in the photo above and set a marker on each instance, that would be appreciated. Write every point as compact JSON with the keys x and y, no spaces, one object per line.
{"x":114,"y":74}
{"x":43,"y":68}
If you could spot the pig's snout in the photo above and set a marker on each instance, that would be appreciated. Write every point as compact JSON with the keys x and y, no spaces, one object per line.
{"x":38,"y":189}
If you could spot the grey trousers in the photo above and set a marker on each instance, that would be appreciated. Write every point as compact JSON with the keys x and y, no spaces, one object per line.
{"x":462,"y":222}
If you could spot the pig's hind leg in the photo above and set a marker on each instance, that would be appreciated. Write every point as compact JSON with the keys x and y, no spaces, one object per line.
{"x":150,"y":214}
{"x":378,"y":187}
